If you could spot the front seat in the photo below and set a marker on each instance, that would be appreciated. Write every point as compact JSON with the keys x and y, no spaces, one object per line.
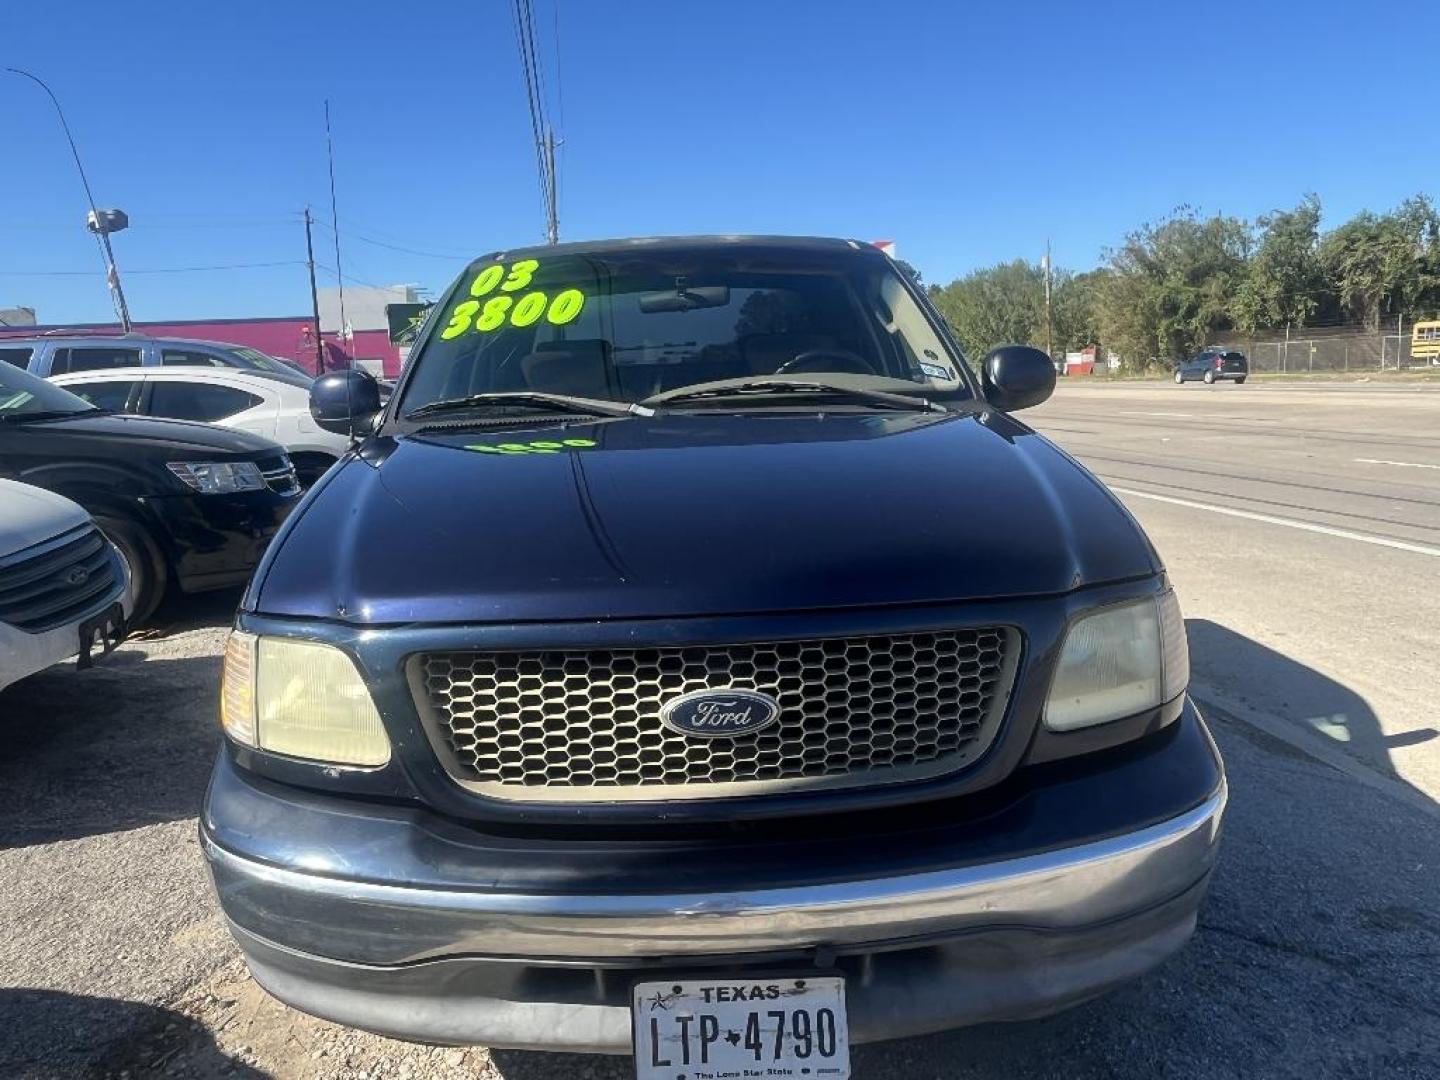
{"x":580,"y":367}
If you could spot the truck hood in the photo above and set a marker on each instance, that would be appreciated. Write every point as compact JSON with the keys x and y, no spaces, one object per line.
{"x":31,"y":515}
{"x":697,"y":514}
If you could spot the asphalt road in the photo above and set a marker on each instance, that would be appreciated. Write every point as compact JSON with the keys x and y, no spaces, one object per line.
{"x":1302,"y":528}
{"x":1314,"y":655}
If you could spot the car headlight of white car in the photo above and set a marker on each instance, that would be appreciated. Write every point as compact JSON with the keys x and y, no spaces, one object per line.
{"x":1118,"y":661}
{"x":300,"y":698}
{"x":218,"y":477}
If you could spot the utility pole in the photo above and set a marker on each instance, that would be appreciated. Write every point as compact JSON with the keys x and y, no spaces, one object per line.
{"x":101,"y":222}
{"x":335,"y":225}
{"x":314,"y":297}
{"x":552,"y":211}
{"x":1048,"y":350}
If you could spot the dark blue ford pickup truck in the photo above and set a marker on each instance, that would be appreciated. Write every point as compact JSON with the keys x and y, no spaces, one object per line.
{"x":694,"y":658}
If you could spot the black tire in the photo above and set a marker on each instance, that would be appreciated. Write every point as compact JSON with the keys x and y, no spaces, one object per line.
{"x":1179,"y":379}
{"x":1241,"y":379}
{"x":309,"y":467}
{"x":1209,"y":378}
{"x":148,"y":574}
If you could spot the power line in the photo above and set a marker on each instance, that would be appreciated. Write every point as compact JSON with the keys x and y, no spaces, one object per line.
{"x":533,"y":77}
{"x":339,"y":277}
{"x":56,"y":226}
{"x":559,"y":95}
{"x":156,"y":270}
{"x":353,"y":235}
{"x":349,"y":277}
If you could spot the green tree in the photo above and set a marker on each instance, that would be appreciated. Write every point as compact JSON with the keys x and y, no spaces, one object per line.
{"x":910,"y":272}
{"x":1381,"y":265}
{"x":1171,"y":285}
{"x":994,"y":306}
{"x":1075,"y":309}
{"x":1284,"y":283}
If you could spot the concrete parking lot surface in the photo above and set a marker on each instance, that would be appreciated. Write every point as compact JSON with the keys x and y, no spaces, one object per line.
{"x":1315,"y":655}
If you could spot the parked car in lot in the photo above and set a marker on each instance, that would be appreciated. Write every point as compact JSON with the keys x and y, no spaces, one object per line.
{"x":696,"y":660}
{"x":47,"y":356}
{"x":238,"y":399}
{"x":63,"y":588}
{"x":186,"y":504}
{"x":1210,"y":365}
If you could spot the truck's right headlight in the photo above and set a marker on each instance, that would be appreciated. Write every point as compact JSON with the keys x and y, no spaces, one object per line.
{"x":1119,"y":661}
{"x":299,"y":698}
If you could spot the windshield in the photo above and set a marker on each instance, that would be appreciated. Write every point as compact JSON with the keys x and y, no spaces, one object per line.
{"x":632,"y":324}
{"x":23,"y":394}
{"x":262,"y":361}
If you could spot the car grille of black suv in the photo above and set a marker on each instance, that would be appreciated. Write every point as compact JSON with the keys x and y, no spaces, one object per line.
{"x":57,"y":582}
{"x":550,"y":726}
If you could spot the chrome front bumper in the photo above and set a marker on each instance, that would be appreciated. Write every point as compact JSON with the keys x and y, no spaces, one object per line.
{"x":388,"y":917}
{"x":1073,"y":888}
{"x":1006,"y":940}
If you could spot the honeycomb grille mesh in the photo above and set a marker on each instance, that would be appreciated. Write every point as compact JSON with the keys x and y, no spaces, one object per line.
{"x":586,"y":725}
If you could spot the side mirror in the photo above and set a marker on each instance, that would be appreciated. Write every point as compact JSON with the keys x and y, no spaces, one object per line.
{"x":1016,"y":377}
{"x":345,"y":402}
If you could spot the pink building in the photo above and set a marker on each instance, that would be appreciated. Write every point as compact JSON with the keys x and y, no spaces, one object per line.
{"x":288,"y":337}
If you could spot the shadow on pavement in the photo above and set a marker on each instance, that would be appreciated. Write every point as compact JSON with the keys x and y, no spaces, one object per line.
{"x":49,"y":1035}
{"x":125,"y":744}
{"x":1316,"y":703}
{"x":180,"y":613}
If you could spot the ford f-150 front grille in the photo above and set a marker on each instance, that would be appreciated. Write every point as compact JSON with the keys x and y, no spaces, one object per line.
{"x":60,"y":581}
{"x":545,"y":726}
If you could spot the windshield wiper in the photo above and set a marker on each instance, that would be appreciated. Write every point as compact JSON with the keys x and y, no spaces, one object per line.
{"x":764,"y":387}
{"x":562,"y":403}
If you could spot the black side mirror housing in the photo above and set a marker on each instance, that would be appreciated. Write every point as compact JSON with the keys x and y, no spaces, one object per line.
{"x":1016,"y":377}
{"x":345,"y":402}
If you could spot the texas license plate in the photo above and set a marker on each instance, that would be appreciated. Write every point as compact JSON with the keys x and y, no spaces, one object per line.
{"x":714,"y":1028}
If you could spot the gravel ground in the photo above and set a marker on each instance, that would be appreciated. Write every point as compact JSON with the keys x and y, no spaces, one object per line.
{"x":1316,"y":955}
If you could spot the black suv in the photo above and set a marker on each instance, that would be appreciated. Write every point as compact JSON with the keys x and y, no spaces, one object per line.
{"x":1210,"y":365}
{"x":188,"y":504}
{"x":695,"y":658}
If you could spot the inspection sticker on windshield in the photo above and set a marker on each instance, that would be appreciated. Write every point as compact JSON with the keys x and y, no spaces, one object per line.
{"x":713,"y":1028}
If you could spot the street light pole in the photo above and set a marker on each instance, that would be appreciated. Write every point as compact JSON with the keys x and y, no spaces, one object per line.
{"x":98,"y":221}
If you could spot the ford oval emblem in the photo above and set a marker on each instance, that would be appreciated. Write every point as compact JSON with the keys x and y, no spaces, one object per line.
{"x":76,"y":576}
{"x":711,"y":714}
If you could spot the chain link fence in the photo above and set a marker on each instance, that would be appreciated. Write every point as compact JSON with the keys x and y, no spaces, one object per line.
{"x":1333,"y":352}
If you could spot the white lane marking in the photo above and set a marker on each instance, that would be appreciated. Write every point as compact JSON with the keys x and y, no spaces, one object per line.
{"x":1402,"y":464}
{"x":1289,"y":523}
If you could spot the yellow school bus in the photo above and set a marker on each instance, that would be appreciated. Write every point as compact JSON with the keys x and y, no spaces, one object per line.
{"x":1425,"y":341}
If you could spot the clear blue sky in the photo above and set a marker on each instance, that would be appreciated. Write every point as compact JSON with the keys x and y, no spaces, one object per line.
{"x":966,"y":132}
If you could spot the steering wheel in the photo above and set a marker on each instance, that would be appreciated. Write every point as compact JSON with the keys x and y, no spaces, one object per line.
{"x":818,"y":360}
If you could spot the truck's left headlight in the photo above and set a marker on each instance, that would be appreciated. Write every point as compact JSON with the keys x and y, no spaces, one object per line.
{"x":299,"y":698}
{"x":1119,"y":661}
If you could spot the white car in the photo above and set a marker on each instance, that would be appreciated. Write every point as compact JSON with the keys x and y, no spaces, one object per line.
{"x":63,"y":589}
{"x":277,"y":408}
